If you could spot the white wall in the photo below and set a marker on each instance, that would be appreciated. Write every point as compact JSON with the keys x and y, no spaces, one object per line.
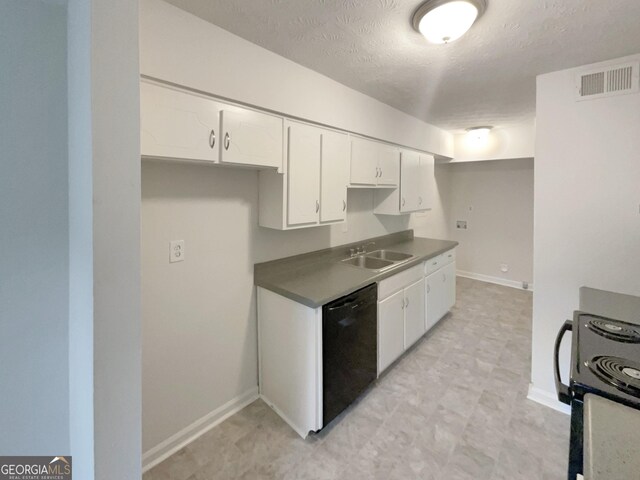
{"x":34,"y":411}
{"x":587,"y":192}
{"x":199,"y":320}
{"x":104,"y":196}
{"x":496,"y":200}
{"x":503,"y":143}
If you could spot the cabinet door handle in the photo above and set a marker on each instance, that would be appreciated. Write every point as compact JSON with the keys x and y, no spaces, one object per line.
{"x":227,"y":141}
{"x":403,"y":201}
{"x":419,"y":200}
{"x":428,"y":288}
{"x":407,"y":304}
{"x":377,"y":172}
{"x":402,"y":305}
{"x":344,"y":205}
{"x":317,"y":206}
{"x":212,"y":138}
{"x":380,"y":172}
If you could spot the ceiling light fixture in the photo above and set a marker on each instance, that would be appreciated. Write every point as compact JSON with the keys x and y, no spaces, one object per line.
{"x":443,"y":21}
{"x":479,"y":133}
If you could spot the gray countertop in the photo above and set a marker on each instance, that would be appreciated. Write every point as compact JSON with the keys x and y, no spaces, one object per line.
{"x":611,"y":305}
{"x":317,"y":278}
{"x":611,"y":440}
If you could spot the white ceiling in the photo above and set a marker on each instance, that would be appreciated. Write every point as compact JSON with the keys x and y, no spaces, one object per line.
{"x":486,"y":77}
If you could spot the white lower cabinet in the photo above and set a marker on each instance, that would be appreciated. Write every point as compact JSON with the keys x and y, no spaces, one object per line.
{"x":440,"y":287}
{"x":401,"y":320}
{"x":414,"y":320}
{"x":390,"y":329}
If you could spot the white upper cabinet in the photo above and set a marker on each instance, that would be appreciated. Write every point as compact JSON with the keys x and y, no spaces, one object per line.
{"x":417,"y":186}
{"x":334,"y":176}
{"x":364,"y":162}
{"x":374,"y":164}
{"x":428,"y":188}
{"x":389,"y":165}
{"x":178,"y":124}
{"x":250,"y":138}
{"x":313,"y":190}
{"x":409,"y":181}
{"x":303,"y":173}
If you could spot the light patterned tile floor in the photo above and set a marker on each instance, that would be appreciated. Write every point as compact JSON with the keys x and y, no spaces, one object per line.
{"x":453,"y":408}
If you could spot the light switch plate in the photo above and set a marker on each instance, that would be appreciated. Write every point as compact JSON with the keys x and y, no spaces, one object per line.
{"x":176,"y":251}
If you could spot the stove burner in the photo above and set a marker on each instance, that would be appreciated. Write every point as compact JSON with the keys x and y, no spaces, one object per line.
{"x":614,"y":331}
{"x":622,"y":374}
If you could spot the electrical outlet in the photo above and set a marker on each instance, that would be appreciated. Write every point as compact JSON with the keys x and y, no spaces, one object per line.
{"x":504,"y":267}
{"x":461,"y":224}
{"x":525,"y":285}
{"x":176,"y":251}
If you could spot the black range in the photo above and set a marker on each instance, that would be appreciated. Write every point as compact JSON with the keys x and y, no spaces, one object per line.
{"x":605,"y":361}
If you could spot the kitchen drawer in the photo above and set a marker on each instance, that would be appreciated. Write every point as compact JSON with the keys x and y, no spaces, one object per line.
{"x":399,"y":281}
{"x":448,"y":257}
{"x":433,"y":264}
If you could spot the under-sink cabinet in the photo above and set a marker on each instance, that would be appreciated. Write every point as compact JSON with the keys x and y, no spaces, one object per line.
{"x":177,"y":123}
{"x":312,"y":190}
{"x":374,"y":164}
{"x":401,"y":314}
{"x":417,"y":186}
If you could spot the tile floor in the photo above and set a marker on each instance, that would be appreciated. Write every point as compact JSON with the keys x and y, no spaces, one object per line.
{"x":453,"y":408}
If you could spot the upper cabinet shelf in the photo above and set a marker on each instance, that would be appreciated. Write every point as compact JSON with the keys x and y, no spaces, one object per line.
{"x":180,"y":124}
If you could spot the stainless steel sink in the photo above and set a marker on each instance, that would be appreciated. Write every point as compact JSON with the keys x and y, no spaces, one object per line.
{"x":369,"y":263}
{"x":377,"y":260}
{"x":389,"y":255}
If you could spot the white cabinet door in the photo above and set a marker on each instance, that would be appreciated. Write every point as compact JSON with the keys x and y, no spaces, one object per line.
{"x":334,"y":176}
{"x":364,"y":162}
{"x":390,"y":330}
{"x":178,"y":124}
{"x":409,"y":181}
{"x":389,"y":165}
{"x":434,"y":298}
{"x":303,"y":174}
{"x":427,"y":188}
{"x":414,"y":319}
{"x":449,"y":272}
{"x":250,"y":138}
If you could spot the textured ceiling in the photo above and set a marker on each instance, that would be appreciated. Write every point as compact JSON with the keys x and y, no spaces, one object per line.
{"x":486,"y":77}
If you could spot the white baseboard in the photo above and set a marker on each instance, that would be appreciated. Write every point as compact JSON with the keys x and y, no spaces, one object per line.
{"x":171,"y":445}
{"x":497,"y":280}
{"x":547,"y":399}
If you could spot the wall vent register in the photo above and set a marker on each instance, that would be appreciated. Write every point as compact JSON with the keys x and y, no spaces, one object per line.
{"x":616,"y":80}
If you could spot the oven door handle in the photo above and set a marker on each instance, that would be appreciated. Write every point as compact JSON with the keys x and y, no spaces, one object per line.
{"x":563,"y":390}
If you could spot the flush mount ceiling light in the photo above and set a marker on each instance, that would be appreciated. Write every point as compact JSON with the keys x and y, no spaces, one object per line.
{"x":479,"y":133}
{"x":443,"y":21}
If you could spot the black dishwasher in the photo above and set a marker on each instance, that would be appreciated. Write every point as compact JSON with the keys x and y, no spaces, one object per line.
{"x":349,"y":349}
